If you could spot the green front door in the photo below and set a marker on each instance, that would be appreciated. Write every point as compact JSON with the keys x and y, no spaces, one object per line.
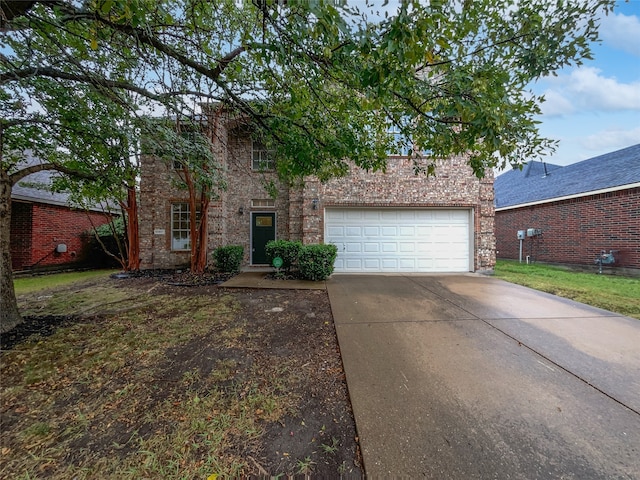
{"x":263,"y":229}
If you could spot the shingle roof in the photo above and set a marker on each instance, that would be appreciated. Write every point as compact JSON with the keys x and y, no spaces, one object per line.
{"x":32,"y":188}
{"x":531,"y":184}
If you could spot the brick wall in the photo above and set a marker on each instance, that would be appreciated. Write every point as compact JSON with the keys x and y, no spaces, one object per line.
{"x":574,"y":231}
{"x":20,"y":238}
{"x":36,"y":230}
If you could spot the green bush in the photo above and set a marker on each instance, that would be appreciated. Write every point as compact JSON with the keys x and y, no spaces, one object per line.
{"x":228,"y":258}
{"x":315,"y":262}
{"x":287,"y":250}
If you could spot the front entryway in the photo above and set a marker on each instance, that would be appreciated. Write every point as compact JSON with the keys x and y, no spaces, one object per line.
{"x":263,"y":230}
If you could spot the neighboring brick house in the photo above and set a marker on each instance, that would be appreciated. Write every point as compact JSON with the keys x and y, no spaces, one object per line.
{"x":581,"y":209}
{"x":45,"y":230}
{"x":381,"y":222}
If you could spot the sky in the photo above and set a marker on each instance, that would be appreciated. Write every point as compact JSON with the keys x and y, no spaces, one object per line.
{"x":594,"y":109}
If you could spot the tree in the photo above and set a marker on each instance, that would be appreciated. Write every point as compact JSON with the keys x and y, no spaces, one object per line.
{"x":320,"y":83}
{"x":77,"y":138}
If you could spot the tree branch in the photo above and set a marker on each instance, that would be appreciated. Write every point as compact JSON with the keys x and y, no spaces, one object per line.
{"x":20,"y":174}
{"x":62,"y":75}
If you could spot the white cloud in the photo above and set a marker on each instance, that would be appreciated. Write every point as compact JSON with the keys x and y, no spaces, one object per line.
{"x":599,"y":92}
{"x":585,"y":89}
{"x":556,"y":104}
{"x":622,"y":32}
{"x":612,"y":139}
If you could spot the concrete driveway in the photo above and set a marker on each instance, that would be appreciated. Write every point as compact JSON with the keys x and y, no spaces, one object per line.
{"x":466,"y":376}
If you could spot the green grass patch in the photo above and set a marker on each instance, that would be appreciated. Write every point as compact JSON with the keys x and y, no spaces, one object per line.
{"x":614,"y":293}
{"x":40,"y":282}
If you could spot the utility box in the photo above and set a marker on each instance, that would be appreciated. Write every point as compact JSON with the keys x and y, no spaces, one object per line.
{"x":533,"y":232}
{"x":61,"y":248}
{"x":521,"y":234}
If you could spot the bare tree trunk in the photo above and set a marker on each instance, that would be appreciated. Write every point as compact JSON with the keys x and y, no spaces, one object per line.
{"x":133,"y":232}
{"x":9,"y":314}
{"x":202,"y":238}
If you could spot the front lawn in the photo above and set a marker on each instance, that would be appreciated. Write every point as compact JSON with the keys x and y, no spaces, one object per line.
{"x":142,"y":378}
{"x":49,"y":280}
{"x":617,"y":294}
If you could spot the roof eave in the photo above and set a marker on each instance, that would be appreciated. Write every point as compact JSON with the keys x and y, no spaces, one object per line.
{"x":627,"y":186}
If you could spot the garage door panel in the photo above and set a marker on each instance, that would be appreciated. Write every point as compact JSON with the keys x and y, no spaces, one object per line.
{"x":371,"y":247}
{"x":353,"y":247}
{"x":407,"y":247}
{"x":352,"y":264}
{"x":389,"y":247}
{"x":423,"y":247}
{"x":424,"y":264}
{"x":372,"y":264}
{"x":353,"y":232}
{"x":407,"y":263}
{"x":423,"y":231}
{"x":406,"y":231}
{"x":371,"y":231}
{"x":389,"y":264}
{"x":399,"y":240}
{"x":335,"y":231}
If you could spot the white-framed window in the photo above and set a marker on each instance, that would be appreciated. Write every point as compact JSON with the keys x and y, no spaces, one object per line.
{"x":263,"y":202}
{"x":403,"y":145}
{"x":180,"y":228}
{"x":261,"y":158}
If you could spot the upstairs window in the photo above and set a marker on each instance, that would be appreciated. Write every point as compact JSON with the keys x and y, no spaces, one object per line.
{"x":262,"y":159}
{"x":402,"y":144}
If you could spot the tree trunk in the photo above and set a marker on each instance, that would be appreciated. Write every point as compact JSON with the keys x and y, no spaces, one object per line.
{"x":133,"y":233}
{"x":202,"y":239}
{"x":9,"y":314}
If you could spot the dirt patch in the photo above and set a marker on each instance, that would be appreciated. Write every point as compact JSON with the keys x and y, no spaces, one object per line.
{"x":33,"y":327}
{"x":202,"y":380}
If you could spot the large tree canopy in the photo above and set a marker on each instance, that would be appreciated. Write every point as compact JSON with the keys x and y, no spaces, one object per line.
{"x":321,"y":83}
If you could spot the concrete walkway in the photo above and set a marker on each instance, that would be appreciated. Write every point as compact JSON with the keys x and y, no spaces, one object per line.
{"x":465,"y":376}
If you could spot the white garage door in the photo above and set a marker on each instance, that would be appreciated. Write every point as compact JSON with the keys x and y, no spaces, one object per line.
{"x":399,"y":240}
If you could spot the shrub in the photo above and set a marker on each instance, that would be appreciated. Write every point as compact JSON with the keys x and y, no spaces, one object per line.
{"x":287,"y":250}
{"x":228,"y":258}
{"x":315,"y":262}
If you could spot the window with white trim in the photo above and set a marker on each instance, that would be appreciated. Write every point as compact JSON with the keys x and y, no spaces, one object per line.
{"x":403,"y":145}
{"x":180,"y":228}
{"x":261,"y":158}
{"x":263,"y":202}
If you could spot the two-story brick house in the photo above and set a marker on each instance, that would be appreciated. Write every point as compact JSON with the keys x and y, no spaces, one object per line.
{"x":381,"y":222}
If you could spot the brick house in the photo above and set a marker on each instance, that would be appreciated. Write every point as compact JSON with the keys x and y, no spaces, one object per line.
{"x":45,"y":230}
{"x":581,"y":209}
{"x":381,"y":222}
